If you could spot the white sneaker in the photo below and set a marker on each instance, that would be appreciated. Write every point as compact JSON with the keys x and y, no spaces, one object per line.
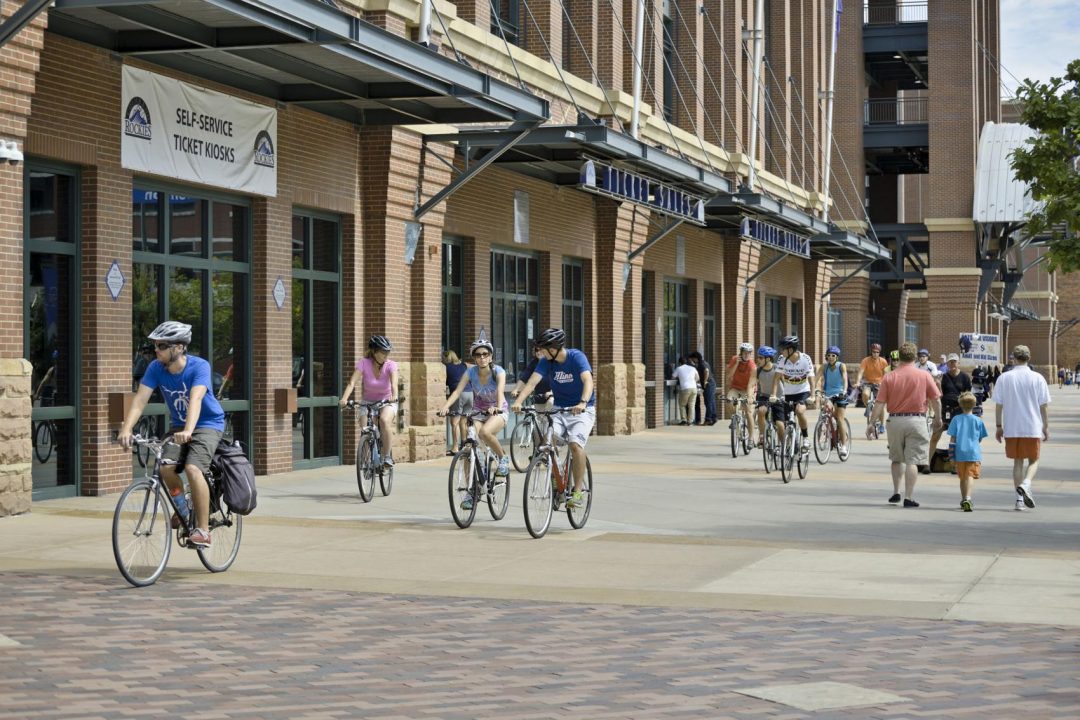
{"x":1025,"y":496}
{"x":1019,"y":504}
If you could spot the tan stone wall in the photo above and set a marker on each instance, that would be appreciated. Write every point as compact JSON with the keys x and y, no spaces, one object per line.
{"x":16,"y":447}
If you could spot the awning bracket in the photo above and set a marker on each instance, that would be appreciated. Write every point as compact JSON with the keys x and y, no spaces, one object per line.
{"x":520,"y":132}
{"x":657,"y":237}
{"x":21,"y":18}
{"x":847,"y":277}
{"x":768,"y":266}
{"x":1065,"y":327}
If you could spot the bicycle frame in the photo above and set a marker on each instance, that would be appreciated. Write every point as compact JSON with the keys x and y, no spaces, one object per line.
{"x":152,"y":472}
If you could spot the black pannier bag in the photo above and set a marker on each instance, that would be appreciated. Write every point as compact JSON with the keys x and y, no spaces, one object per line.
{"x":236,"y":476}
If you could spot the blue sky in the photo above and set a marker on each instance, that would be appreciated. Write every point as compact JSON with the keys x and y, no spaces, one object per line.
{"x":1038,"y":38}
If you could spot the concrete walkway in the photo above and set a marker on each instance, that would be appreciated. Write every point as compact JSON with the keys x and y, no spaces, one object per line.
{"x":676,"y":522}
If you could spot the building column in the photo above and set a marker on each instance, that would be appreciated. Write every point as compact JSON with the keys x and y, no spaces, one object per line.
{"x":1037,"y":335}
{"x":551,"y":291}
{"x":952,"y":311}
{"x":653,"y":339}
{"x":583,"y":18}
{"x":741,"y":260}
{"x":816,"y":276}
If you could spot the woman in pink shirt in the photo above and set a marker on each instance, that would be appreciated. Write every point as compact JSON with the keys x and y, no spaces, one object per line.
{"x":378,"y":376}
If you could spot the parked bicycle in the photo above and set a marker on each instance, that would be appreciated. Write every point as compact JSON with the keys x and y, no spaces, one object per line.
{"x":740,"y":429}
{"x":548,"y":485}
{"x":369,"y":462}
{"x":145,"y":428}
{"x":44,"y":433}
{"x":142,"y":523}
{"x":472,"y":477}
{"x":827,"y":434}
{"x":527,"y":436}
{"x":791,"y":456}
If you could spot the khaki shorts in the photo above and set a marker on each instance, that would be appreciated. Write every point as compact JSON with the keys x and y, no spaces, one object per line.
{"x":909,"y":440}
{"x":1023,"y":448}
{"x":734,"y":394}
{"x":198,"y":451}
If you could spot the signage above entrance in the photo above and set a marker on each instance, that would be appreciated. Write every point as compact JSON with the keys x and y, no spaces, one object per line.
{"x":776,"y":237}
{"x":624,"y":185}
{"x":179,"y":130}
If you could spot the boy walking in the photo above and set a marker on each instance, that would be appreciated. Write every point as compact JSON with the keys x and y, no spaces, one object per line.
{"x":967,"y":431}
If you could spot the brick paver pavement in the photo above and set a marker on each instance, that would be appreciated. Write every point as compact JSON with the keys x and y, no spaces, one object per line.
{"x":92,"y":648}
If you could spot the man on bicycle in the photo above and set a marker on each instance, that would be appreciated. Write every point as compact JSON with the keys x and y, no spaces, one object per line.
{"x":793,"y":372}
{"x":871,"y":370}
{"x":570,"y":375}
{"x":741,"y":379}
{"x":832,"y":382}
{"x":196,"y":419}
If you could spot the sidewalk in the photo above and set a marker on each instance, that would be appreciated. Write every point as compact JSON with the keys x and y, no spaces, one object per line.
{"x":676,"y":522}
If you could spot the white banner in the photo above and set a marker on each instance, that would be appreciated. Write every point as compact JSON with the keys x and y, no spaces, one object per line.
{"x":183,"y":131}
{"x":976,"y":349}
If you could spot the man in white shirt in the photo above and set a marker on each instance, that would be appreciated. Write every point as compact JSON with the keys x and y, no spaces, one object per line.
{"x":923,"y":363}
{"x":687,"y":377}
{"x":794,"y":371}
{"x":1022,"y":396}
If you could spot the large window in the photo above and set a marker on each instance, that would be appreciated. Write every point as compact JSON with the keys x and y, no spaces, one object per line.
{"x":506,"y":20}
{"x":316,"y":338}
{"x":515,"y":309}
{"x":676,"y":321}
{"x":51,"y":327}
{"x":875,"y":331}
{"x":190,"y":257}
{"x":670,"y":58}
{"x":836,"y":324}
{"x":709,"y":324}
{"x":911,"y":332}
{"x":774,"y":319}
{"x":453,"y":291}
{"x":573,"y":305}
{"x":796,"y":318}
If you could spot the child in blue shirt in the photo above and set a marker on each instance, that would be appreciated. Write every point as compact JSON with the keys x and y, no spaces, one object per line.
{"x":967,"y":431}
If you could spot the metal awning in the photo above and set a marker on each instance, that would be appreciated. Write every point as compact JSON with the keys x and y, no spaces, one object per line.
{"x":556,"y":153}
{"x":827,"y":241}
{"x":300,"y":52}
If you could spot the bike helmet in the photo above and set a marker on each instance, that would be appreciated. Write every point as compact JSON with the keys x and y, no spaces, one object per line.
{"x":833,"y":350}
{"x":874,"y":347}
{"x":894,"y":355}
{"x":789,"y":341}
{"x":766,"y":352}
{"x":172,"y":332}
{"x":746,"y":347}
{"x":551,"y":338}
{"x":380,"y":342}
{"x":924,"y":351}
{"x":482,"y":342}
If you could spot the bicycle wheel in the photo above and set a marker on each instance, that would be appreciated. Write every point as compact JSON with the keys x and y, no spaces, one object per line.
{"x":498,"y":491}
{"x":461,"y":486}
{"x":844,"y":451}
{"x":744,"y":440}
{"x":386,"y":479}
{"x":768,"y":449}
{"x":578,"y":516}
{"x":225,"y":528}
{"x":141,"y":533}
{"x":787,"y":454}
{"x":802,"y":460}
{"x":43,"y":441}
{"x":736,"y":434}
{"x":365,"y":469}
{"x":537,"y":502}
{"x":522,"y":444}
{"x":823,"y":439}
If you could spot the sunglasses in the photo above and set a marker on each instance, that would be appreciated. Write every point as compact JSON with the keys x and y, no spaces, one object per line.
{"x":481,"y":355}
{"x":163,"y":346}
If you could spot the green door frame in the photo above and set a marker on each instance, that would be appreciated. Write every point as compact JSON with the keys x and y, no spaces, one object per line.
{"x":73,"y":249}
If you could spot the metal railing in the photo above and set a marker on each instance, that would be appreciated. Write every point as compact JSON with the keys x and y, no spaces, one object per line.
{"x":896,"y":111}
{"x":894,"y":13}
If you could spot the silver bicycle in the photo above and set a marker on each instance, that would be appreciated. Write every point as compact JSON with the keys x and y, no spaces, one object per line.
{"x":472,"y":477}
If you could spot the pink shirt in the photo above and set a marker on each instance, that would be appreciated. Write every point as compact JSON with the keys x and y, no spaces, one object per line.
{"x":907,"y":390}
{"x":376,"y":388}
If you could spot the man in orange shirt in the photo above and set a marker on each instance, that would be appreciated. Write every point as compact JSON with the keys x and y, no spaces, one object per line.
{"x":741,"y":377}
{"x":871,"y":370}
{"x":907,"y":392}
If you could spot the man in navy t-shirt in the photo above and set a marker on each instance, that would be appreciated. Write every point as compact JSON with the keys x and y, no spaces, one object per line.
{"x":196,"y":419}
{"x":570,"y":375}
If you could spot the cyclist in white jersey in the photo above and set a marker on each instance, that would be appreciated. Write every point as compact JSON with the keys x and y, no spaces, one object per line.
{"x":794,"y":371}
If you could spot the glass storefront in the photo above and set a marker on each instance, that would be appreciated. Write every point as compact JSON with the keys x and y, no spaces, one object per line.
{"x":515,"y":309}
{"x":316,"y":339}
{"x":51,"y":330}
{"x":190,"y":254}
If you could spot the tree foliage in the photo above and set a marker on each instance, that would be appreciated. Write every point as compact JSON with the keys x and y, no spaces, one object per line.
{"x":1050,"y":163}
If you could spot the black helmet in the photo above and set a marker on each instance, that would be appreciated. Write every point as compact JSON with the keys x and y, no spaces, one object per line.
{"x":789,"y":341}
{"x":380,"y":342}
{"x":551,"y":338}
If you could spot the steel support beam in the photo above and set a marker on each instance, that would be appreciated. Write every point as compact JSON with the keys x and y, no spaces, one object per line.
{"x":769,"y":266}
{"x":20,"y":19}
{"x":847,"y":277}
{"x":660,"y":235}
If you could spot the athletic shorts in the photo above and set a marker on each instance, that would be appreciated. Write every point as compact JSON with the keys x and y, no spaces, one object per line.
{"x":968,"y":470}
{"x":840,"y":401}
{"x":575,"y":428}
{"x":198,"y":451}
{"x":1023,"y":448}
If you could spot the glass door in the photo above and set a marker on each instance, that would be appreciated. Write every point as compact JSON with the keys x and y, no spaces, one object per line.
{"x":515,"y":310}
{"x":51,"y":327}
{"x":316,"y":339}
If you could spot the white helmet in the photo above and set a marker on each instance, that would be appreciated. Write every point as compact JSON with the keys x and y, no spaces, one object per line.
{"x":482,"y":342}
{"x":173,"y":332}
{"x":746,"y":347}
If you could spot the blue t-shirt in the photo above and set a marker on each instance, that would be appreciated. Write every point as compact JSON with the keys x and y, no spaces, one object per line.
{"x":176,"y":389}
{"x":967,"y":431}
{"x":565,"y":378}
{"x":486,"y":396}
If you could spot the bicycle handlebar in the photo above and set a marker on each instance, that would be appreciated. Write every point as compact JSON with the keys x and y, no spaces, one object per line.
{"x":377,"y":405}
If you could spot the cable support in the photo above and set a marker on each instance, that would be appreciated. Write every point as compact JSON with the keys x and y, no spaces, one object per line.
{"x":847,"y":170}
{"x":1001,"y":66}
{"x":506,"y":44}
{"x":592,"y":68}
{"x":723,"y":106}
{"x":770,"y":104}
{"x":547,"y":48}
{"x":446,"y":33}
{"x":640,"y":63}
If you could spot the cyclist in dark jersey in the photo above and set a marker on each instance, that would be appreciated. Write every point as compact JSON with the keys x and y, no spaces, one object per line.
{"x":542,"y":392}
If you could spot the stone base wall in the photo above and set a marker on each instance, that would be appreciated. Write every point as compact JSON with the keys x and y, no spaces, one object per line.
{"x":620,"y":398}
{"x":16,"y":482}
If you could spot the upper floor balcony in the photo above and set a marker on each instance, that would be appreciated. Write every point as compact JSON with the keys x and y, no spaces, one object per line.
{"x":895,"y":41}
{"x":896,"y":135}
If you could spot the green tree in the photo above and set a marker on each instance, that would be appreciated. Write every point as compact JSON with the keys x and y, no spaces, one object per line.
{"x":1049,"y":163}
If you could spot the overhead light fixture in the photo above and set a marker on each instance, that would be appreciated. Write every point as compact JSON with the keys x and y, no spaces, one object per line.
{"x":5,"y":154}
{"x":9,"y":152}
{"x":897,"y":56}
